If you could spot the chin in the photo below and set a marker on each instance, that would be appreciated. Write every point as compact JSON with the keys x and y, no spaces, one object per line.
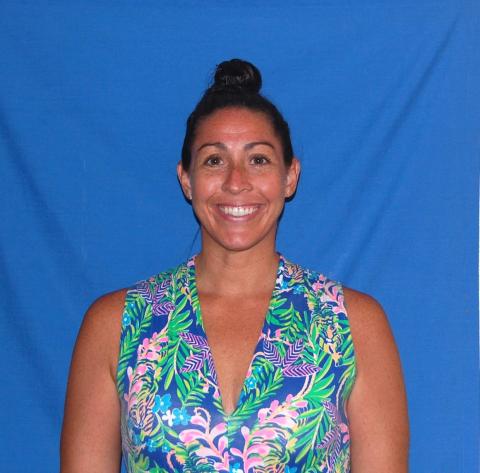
{"x":239,"y":240}
{"x":237,"y":245}
{"x":240,"y":243}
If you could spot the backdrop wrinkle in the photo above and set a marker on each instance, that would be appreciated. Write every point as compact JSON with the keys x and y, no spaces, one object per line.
{"x":383,"y":103}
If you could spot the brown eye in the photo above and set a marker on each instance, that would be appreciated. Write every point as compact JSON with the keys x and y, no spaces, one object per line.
{"x":260,"y":159}
{"x":213,"y":160}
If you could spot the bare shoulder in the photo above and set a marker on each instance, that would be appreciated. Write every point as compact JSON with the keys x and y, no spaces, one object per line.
{"x":373,"y":340}
{"x":90,"y":434}
{"x":362,"y":305}
{"x":107,"y":305}
{"x":366,"y":315}
{"x":105,"y":312}
{"x":101,"y":326}
{"x":377,"y":406}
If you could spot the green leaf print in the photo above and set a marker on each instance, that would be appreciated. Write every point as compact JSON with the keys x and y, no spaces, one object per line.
{"x":195,"y":395}
{"x":140,"y":315}
{"x":176,"y":349}
{"x":310,"y":432}
{"x":269,"y":380}
{"x":279,"y":315}
{"x":138,"y":464}
{"x":194,"y":463}
{"x":292,"y":402}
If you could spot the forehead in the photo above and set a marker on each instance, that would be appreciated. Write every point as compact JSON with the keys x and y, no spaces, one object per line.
{"x":235,"y":124}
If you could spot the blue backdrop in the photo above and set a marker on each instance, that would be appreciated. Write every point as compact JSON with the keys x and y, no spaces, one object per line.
{"x":384,"y":106}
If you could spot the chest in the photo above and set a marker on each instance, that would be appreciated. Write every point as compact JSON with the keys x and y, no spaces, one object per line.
{"x":233,"y":327}
{"x":213,"y":384}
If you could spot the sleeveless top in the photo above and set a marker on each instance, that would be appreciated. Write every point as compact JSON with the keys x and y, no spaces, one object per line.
{"x":290,"y":416}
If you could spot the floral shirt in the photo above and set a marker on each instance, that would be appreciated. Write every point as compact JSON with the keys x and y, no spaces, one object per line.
{"x":291,"y":413}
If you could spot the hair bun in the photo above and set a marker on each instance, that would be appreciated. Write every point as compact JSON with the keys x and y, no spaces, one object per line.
{"x":237,"y":75}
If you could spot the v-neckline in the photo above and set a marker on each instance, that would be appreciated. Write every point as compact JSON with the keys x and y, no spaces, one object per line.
{"x":197,"y":311}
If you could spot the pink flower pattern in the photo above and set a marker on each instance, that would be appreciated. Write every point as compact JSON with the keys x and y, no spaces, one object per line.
{"x":290,"y":416}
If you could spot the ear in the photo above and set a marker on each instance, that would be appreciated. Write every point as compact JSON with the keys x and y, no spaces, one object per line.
{"x":293,"y":174}
{"x":184,"y":179}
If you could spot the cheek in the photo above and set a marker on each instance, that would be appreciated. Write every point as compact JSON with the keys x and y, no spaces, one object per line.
{"x":203,"y":191}
{"x":205,"y":187}
{"x":273,"y":188}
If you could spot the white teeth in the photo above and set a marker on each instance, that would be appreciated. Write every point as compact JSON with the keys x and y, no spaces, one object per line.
{"x":238,"y":211}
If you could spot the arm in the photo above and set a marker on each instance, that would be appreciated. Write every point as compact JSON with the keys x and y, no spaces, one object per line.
{"x":377,"y":407}
{"x":91,"y":425}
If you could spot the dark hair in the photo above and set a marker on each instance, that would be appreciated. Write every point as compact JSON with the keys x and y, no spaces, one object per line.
{"x":236,"y":83}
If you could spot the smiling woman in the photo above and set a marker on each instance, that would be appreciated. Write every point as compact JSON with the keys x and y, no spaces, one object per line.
{"x":238,"y":359}
{"x":238,"y":179}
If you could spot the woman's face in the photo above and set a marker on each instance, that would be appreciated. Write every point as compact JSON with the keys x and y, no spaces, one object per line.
{"x":238,"y":180}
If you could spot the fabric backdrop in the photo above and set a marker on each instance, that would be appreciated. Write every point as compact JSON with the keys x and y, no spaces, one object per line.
{"x":384,"y":106}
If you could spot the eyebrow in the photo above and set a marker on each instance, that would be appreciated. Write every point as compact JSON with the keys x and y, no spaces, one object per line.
{"x":218,"y":144}
{"x":257,"y":143}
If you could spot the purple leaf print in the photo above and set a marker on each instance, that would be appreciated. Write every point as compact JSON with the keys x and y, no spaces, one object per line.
{"x":162,"y":308}
{"x":298,"y":371}
{"x":200,"y":342}
{"x":193,"y":362}
{"x":164,"y":354}
{"x":332,"y":459}
{"x":293,"y":352}
{"x":156,"y":296}
{"x":145,"y":291}
{"x":286,"y":362}
{"x":160,"y":290}
{"x":331,"y":442}
{"x":333,"y":438}
{"x":332,"y":411}
{"x":195,"y":341}
{"x":211,"y":367}
{"x":328,"y":439}
{"x":271,"y":353}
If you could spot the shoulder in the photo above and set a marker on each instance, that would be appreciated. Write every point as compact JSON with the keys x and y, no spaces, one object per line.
{"x":91,"y":419}
{"x":105,"y":306}
{"x":369,"y":324}
{"x":377,"y":406}
{"x":365,"y":313}
{"x":99,"y":334}
{"x":106,"y":310}
{"x":373,"y":340}
{"x":364,"y":310}
{"x":104,"y":316}
{"x":379,"y":372}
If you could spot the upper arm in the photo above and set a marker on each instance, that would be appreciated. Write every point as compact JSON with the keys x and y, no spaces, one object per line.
{"x":91,"y":425}
{"x":377,"y":406}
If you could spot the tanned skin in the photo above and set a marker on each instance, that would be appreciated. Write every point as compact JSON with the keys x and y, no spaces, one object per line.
{"x":237,"y":159}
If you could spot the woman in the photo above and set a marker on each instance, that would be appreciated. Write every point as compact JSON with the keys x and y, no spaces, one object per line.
{"x":237,"y":359}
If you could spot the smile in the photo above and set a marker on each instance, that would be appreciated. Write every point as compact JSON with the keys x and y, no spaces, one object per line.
{"x":238,"y":211}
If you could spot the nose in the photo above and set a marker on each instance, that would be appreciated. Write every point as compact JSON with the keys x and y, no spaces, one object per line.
{"x":236,"y":179}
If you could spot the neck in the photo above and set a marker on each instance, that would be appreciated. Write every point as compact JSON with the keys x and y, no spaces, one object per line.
{"x":236,"y":273}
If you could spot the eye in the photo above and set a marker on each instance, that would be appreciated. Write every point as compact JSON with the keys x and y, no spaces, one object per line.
{"x":260,"y":159}
{"x":213,"y":160}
